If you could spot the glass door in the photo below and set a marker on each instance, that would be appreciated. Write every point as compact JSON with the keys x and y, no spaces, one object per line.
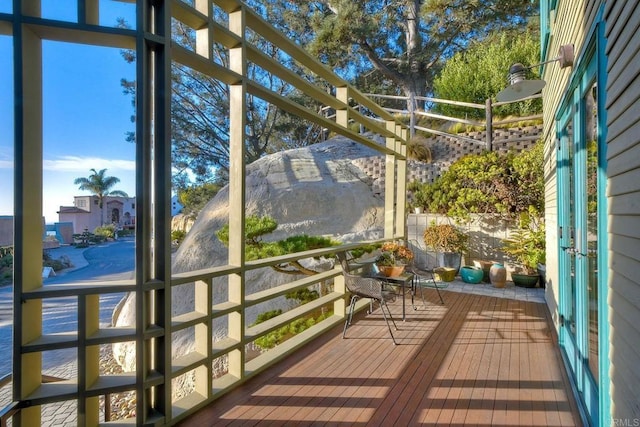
{"x":579,"y":205}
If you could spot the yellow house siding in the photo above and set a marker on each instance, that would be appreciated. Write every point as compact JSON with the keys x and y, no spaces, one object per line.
{"x":623,"y":173}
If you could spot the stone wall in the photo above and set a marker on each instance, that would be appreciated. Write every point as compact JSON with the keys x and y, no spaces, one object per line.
{"x":485,"y":238}
{"x":447,"y":149}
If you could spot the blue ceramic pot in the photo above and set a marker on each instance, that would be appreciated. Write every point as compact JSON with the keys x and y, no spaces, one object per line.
{"x":471,"y":274}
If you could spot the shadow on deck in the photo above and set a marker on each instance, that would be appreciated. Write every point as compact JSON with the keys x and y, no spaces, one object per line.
{"x":477,"y":360}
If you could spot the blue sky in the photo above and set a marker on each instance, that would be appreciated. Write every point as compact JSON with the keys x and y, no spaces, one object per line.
{"x":86,"y":114}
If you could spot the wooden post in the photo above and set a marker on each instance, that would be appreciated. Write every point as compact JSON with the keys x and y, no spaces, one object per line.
{"x":489,"y":125}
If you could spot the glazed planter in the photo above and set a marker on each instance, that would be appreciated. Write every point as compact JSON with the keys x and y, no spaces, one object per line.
{"x":498,"y":275}
{"x":525,"y":280}
{"x":391,"y":270}
{"x":471,"y":274}
{"x":485,"y":266}
{"x":445,"y":274}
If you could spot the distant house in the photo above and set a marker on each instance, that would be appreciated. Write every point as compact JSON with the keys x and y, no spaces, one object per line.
{"x":86,"y":213}
{"x":176,"y":207}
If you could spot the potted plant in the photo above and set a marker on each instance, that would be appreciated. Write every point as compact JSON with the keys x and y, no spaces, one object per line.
{"x":527,"y":247}
{"x":448,"y":241}
{"x":393,"y":258}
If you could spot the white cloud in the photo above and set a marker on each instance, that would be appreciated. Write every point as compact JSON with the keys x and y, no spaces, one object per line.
{"x":83,"y":164}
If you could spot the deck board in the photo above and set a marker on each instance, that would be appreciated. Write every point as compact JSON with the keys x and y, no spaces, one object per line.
{"x":477,"y":360}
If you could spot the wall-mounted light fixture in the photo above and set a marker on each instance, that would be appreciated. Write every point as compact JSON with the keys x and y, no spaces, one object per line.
{"x":519,"y":87}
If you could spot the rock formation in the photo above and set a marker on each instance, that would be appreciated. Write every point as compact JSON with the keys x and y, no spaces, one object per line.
{"x":316,"y":190}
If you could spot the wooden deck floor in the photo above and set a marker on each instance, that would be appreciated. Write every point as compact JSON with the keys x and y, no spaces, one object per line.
{"x":477,"y":360}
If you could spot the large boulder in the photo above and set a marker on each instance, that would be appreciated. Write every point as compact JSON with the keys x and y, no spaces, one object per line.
{"x":316,"y":190}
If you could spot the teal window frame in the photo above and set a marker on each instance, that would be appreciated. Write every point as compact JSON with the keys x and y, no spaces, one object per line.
{"x":593,"y":55}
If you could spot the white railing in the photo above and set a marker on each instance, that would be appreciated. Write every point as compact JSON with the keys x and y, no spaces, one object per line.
{"x":488,"y":124}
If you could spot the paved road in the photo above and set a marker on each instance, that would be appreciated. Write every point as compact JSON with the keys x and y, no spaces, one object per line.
{"x":105,"y":262}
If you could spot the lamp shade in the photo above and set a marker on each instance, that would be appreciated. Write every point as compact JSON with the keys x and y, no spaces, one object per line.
{"x":519,"y":87}
{"x":520,"y":90}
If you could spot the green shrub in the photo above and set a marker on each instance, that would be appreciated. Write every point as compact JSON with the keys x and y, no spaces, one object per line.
{"x":488,"y":183}
{"x":107,"y":231}
{"x":178,"y":236}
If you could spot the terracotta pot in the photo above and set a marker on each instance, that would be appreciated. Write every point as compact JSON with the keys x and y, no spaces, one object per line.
{"x":391,"y":270}
{"x":498,"y":275}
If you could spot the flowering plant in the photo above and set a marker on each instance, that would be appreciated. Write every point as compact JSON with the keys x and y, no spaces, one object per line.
{"x":394,"y":254}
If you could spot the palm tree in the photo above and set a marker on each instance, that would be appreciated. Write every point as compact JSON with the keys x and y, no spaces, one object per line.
{"x":100,"y":185}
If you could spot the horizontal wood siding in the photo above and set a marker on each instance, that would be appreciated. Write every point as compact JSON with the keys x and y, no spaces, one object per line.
{"x":569,"y":24}
{"x":623,"y":154}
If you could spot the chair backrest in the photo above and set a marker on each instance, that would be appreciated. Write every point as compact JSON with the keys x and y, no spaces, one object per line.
{"x":367,"y":287}
{"x":420,"y":259}
{"x":344,"y":263}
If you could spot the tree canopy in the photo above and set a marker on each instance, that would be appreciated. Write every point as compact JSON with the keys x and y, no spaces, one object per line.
{"x":479,"y":73}
{"x":100,"y":185}
{"x":401,"y":45}
{"x":200,"y":112}
{"x":195,"y":197}
{"x":385,"y":46}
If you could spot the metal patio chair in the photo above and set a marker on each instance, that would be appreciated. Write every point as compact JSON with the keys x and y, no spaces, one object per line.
{"x":365,"y":287}
{"x":424,"y":277}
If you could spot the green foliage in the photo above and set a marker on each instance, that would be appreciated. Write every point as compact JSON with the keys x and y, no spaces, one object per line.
{"x":254,"y":228}
{"x":303,"y":296}
{"x":6,"y":264}
{"x":200,"y":104}
{"x":100,"y":185}
{"x":255,"y":248}
{"x":289,"y":245}
{"x":527,"y":244}
{"x":195,"y":197}
{"x":274,"y":338}
{"x":280,"y":335}
{"x":263,"y":317}
{"x":178,"y":236}
{"x":488,"y":183}
{"x":480,"y":72}
{"x":394,"y":254}
{"x":126,"y":232}
{"x":445,"y":238}
{"x":86,"y":238}
{"x":364,"y":249}
{"x":360,"y":37}
{"x":6,"y":256}
{"x":107,"y":231}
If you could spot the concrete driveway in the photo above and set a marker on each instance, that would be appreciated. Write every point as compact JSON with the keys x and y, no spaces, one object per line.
{"x":105,"y":262}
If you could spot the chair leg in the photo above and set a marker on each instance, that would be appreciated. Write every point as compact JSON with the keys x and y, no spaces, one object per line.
{"x":424,"y":304}
{"x":438,"y":291}
{"x":349,"y":316}
{"x":382,"y":306}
